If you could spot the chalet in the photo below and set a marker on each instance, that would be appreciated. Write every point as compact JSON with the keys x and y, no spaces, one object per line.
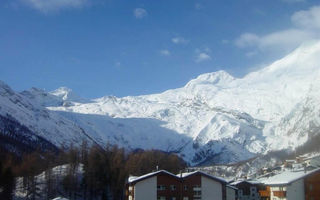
{"x":292,"y":185}
{"x":163,"y":185}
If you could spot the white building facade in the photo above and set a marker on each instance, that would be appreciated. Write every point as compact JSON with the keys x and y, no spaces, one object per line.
{"x":294,"y":185}
{"x":292,"y":191}
{"x":162,"y":185}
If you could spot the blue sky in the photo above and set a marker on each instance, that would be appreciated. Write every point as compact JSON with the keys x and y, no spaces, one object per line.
{"x":131,"y":47}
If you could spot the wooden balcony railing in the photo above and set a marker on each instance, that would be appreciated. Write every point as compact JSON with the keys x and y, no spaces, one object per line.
{"x":280,"y":193}
{"x":264,"y":193}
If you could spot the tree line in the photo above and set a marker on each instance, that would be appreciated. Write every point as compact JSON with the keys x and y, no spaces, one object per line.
{"x":88,"y":172}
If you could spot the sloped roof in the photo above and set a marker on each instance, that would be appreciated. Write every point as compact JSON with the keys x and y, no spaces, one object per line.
{"x":253,"y":182}
{"x":287,"y":177}
{"x":232,"y":187}
{"x":184,"y":175}
{"x":134,"y":179}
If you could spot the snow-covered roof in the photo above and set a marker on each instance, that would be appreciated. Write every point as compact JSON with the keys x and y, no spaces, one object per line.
{"x":313,"y":157}
{"x":236,"y":182}
{"x":186,"y":174}
{"x":132,"y":179}
{"x":290,"y":160}
{"x":183,"y":175}
{"x":287,"y":177}
{"x":232,"y":187}
{"x":60,"y":198}
{"x":253,"y":182}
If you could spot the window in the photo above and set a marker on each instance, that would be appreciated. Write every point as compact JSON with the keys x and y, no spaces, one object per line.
{"x":185,"y":187}
{"x":173,"y":187}
{"x":196,"y":195}
{"x":185,"y":198}
{"x":161,"y":187}
{"x":196,"y":187}
{"x":130,"y":188}
{"x":173,"y":198}
{"x":161,"y":198}
{"x":310,"y":187}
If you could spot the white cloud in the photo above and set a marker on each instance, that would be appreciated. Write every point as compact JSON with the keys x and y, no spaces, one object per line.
{"x":165,"y":52}
{"x":285,"y":39}
{"x":309,"y":19}
{"x":203,"y":56}
{"x":47,"y":6}
{"x":179,"y":40}
{"x":305,"y":26}
{"x":247,"y":39}
{"x":140,"y":13}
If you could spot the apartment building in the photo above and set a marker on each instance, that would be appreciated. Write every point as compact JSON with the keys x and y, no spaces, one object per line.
{"x":163,"y":185}
{"x":299,"y":184}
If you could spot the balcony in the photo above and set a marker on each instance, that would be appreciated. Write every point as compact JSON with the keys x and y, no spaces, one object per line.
{"x":264,"y":193}
{"x":280,"y":194}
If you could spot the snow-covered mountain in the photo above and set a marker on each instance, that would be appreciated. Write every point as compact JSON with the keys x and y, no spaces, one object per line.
{"x":37,"y":119}
{"x":213,"y":118}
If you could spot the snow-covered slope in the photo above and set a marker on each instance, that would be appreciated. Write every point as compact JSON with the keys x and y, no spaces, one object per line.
{"x":302,"y":122}
{"x":41,"y":121}
{"x":215,"y":117}
{"x":60,"y":97}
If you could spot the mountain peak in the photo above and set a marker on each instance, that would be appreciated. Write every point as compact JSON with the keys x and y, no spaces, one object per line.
{"x":61,"y":91}
{"x":66,"y":94}
{"x":214,"y":78}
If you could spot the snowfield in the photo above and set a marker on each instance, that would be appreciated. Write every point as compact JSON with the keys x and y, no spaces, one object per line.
{"x":213,"y":118}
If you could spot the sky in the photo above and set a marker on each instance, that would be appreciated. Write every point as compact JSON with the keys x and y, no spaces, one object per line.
{"x":137,"y":47}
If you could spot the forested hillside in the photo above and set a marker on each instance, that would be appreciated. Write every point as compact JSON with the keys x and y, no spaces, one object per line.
{"x":79,"y":173}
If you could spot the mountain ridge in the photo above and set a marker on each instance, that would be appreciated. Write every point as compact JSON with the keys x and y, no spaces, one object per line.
{"x":213,"y":118}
